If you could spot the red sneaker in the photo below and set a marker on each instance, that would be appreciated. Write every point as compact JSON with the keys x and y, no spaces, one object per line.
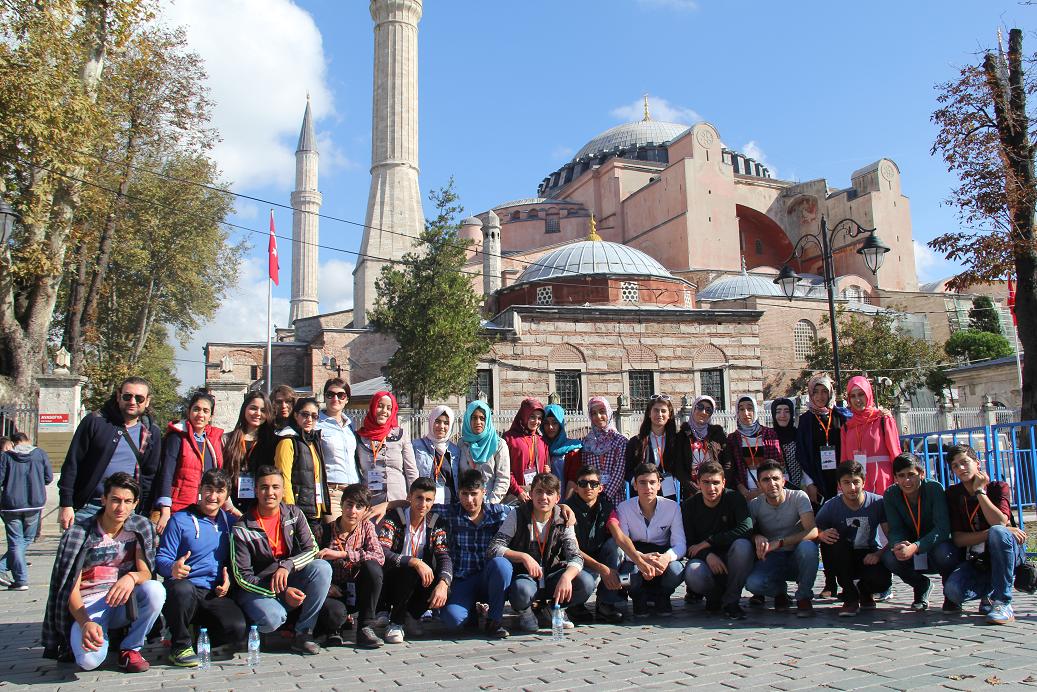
{"x":132,"y":662}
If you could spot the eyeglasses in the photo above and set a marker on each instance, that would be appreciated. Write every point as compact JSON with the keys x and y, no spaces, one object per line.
{"x":139,"y":398}
{"x":660,"y":397}
{"x":588,"y":484}
{"x":306,"y":415}
{"x":704,"y":407}
{"x":342,"y":396}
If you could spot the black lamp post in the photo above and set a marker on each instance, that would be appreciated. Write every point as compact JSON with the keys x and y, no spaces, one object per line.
{"x":7,"y":218}
{"x":872,"y":249}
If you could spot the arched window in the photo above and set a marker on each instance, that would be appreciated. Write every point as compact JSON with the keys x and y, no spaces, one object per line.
{"x":551,"y":223}
{"x":758,"y":245}
{"x":853,"y":294}
{"x":804,"y":335}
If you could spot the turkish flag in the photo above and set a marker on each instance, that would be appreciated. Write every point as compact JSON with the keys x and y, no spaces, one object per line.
{"x":1011,"y":300}
{"x":272,"y":251}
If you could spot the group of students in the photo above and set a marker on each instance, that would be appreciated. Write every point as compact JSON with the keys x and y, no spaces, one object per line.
{"x":295,"y":521}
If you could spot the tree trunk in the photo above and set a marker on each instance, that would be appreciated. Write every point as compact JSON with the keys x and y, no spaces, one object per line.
{"x":145,"y":318}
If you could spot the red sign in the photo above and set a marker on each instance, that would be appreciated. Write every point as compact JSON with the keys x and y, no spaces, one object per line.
{"x":54,"y":419}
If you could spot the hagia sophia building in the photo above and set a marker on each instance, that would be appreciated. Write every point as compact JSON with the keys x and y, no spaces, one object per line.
{"x":645,"y":264}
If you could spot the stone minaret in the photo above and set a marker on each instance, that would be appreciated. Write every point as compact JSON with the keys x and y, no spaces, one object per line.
{"x":491,"y":269}
{"x":394,"y":215}
{"x":306,"y":201}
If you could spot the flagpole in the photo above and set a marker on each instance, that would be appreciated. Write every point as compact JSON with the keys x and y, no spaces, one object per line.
{"x":1018,"y":358}
{"x":269,"y":330}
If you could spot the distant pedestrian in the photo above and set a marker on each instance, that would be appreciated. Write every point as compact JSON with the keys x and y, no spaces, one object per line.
{"x":24,"y":474}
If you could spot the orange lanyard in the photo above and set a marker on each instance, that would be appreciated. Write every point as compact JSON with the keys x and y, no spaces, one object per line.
{"x":246,"y":451}
{"x":199,"y":452}
{"x":860,"y":442}
{"x":541,"y":537}
{"x":824,"y":427}
{"x":415,"y":539}
{"x":533,"y":453}
{"x":972,"y":514}
{"x":658,"y":450}
{"x":375,"y":450}
{"x":438,"y":465}
{"x":917,"y":520}
{"x":752,"y":448}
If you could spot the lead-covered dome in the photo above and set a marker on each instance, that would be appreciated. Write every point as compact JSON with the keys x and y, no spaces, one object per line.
{"x":739,"y":286}
{"x":629,"y":135}
{"x":591,"y":257}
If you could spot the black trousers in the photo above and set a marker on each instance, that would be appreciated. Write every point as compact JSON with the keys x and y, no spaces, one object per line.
{"x":404,"y":593}
{"x":368,"y":582}
{"x":847,"y":563}
{"x":187,"y":604}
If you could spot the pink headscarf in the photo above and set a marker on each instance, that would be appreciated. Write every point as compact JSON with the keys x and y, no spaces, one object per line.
{"x":871,"y":413}
{"x":597,"y":439}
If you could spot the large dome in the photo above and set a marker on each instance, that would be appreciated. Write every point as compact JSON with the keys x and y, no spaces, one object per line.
{"x":631,"y":135}
{"x":739,"y":286}
{"x":593,"y":257}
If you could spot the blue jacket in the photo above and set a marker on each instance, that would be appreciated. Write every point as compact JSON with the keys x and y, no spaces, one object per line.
{"x":207,"y":539}
{"x":24,"y":474}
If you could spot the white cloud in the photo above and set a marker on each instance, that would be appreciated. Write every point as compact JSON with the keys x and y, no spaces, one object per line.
{"x":562,"y":153}
{"x":926,"y":261}
{"x":659,"y":109}
{"x":246,"y":211}
{"x":679,"y":5}
{"x":335,"y":285}
{"x":753,"y":151}
{"x":262,"y":57}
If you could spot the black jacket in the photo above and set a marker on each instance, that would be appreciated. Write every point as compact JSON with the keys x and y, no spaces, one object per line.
{"x":591,"y":522}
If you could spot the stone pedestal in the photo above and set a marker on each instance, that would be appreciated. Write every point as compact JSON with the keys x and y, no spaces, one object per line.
{"x":59,"y":410}
{"x":229,"y":395}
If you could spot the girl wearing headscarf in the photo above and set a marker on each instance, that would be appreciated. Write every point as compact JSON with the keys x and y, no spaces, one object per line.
{"x":604,"y":448}
{"x":483,"y":449}
{"x":559,"y":445}
{"x":783,"y":415}
{"x":750,"y":445}
{"x":384,"y":457}
{"x":870,"y":437}
{"x":819,"y":439}
{"x":701,"y":440}
{"x":436,"y":456}
{"x":656,"y":443}
{"x":527,"y":449}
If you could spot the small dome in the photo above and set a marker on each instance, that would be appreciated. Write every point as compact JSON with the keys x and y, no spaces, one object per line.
{"x":594,"y":257}
{"x":471,"y":221}
{"x":632,"y":135}
{"x":739,"y":286}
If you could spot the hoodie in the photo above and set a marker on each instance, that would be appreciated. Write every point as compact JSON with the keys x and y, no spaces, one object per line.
{"x":24,"y":474}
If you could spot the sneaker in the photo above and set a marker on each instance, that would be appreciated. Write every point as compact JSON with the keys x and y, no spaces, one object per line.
{"x":757,"y":601}
{"x":1001,"y":613}
{"x":184,"y":658}
{"x":885,"y":596}
{"x":131,"y":661}
{"x":543,"y":617}
{"x":922,"y":592}
{"x":18,"y":587}
{"x":663,"y":608}
{"x":394,"y":634}
{"x":804,"y":608}
{"x":580,"y":614}
{"x":482,"y":613}
{"x":381,"y":619}
{"x":413,"y":627}
{"x":782,"y":602}
{"x":734,"y":611}
{"x":427,"y":616}
{"x":849,"y":609}
{"x":984,"y":606}
{"x":495,"y":630}
{"x":640,"y":607}
{"x":367,"y":639}
{"x":303,"y":643}
{"x":609,"y":613}
{"x":567,"y":624}
{"x":868,"y":602}
{"x":950,"y":606}
{"x":5,"y":578}
{"x":335,"y":639}
{"x":527,"y":621}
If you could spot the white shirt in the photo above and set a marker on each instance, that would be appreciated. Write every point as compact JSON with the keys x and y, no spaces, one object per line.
{"x":414,"y":539}
{"x":339,"y":446}
{"x":666,"y":526}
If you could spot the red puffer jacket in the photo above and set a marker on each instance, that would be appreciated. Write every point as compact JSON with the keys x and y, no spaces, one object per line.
{"x":180,"y":475}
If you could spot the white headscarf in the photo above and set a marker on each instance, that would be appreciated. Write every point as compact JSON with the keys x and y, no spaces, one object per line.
{"x":753,"y":429}
{"x":700,"y":431}
{"x":440,"y":444}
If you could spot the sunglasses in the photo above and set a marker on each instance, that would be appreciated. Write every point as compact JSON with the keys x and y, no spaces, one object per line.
{"x":588,"y":484}
{"x":704,"y":407}
{"x":660,"y":397}
{"x":341,"y":396}
{"x":306,"y":415}
{"x":139,"y":398}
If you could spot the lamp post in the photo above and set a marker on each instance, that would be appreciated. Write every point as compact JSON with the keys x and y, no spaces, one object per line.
{"x":872,"y":249}
{"x":7,"y":218}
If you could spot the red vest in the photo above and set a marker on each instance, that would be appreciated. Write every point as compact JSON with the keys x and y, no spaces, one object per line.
{"x":187,"y":479}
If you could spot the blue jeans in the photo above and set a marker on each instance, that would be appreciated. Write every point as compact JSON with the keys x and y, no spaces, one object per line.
{"x":967,"y":583}
{"x":609,"y":555}
{"x":270,"y":612}
{"x":149,"y":598}
{"x":771,"y":575}
{"x":525,"y":589}
{"x":942,"y":559}
{"x":661,"y":587}
{"x":489,"y":585}
{"x":722,"y":588}
{"x":21,"y":530}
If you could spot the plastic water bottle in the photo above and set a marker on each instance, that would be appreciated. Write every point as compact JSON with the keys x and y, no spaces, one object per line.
{"x":253,"y":647}
{"x":204,"y":650}
{"x":557,"y":624}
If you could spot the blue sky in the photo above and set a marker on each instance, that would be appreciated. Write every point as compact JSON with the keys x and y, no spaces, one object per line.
{"x":509,"y":90}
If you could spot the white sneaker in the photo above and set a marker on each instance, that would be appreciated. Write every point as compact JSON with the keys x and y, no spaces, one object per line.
{"x":394,"y":634}
{"x":567,"y":624}
{"x":381,"y":620}
{"x":528,"y":621}
{"x":1001,"y":613}
{"x":413,"y":627}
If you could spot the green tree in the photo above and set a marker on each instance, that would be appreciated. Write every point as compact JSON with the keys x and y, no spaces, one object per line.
{"x":973,"y":345}
{"x":428,"y":304}
{"x":983,"y":316}
{"x":874,"y":346}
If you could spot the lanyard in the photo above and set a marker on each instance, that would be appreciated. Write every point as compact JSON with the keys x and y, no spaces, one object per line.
{"x":533,"y":456}
{"x":860,"y":442}
{"x":972,"y":514}
{"x":824,"y":427}
{"x":415,"y":538}
{"x":374,"y":451}
{"x":916,"y":520}
{"x":541,"y":537}
{"x":246,"y":451}
{"x":752,"y":449}
{"x":437,"y":466}
{"x":199,"y":451}
{"x":658,"y":444}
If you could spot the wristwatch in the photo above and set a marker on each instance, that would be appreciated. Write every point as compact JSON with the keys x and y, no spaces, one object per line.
{"x":981,"y":491}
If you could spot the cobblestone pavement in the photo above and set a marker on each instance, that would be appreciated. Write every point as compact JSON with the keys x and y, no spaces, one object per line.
{"x":891,"y":648}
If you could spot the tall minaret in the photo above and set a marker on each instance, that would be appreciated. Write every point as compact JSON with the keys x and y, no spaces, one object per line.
{"x":394,"y":215}
{"x":306,"y":201}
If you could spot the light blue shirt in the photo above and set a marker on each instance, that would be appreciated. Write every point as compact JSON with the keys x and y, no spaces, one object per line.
{"x":338,"y":442}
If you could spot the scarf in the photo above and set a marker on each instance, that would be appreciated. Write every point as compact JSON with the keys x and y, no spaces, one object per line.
{"x":700,"y":431}
{"x":307,"y":438}
{"x":483,"y":445}
{"x":561,"y":445}
{"x":786,"y":433}
{"x":871,"y":413}
{"x":597,"y":440}
{"x":526,"y":409}
{"x":369,"y":428}
{"x":440,"y":445}
{"x":752,"y":429}
{"x":824,"y":380}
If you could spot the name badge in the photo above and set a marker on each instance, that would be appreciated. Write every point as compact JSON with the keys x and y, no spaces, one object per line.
{"x":376,"y":479}
{"x":921,"y":561}
{"x":529,"y":476}
{"x":246,"y":487}
{"x":440,"y":494}
{"x":542,"y":582}
{"x":669,"y":486}
{"x":828,"y":460}
{"x":861,"y":458}
{"x":351,"y":594}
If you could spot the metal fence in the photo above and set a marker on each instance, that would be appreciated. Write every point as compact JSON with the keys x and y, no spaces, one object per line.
{"x":18,"y":418}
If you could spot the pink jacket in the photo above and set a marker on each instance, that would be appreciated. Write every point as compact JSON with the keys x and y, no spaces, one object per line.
{"x":871,"y":437}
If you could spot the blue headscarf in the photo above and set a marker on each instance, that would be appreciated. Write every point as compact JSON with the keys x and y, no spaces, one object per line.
{"x":561,"y":444}
{"x":483,"y":445}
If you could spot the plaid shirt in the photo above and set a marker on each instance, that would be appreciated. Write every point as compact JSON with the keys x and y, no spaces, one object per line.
{"x":470,"y":542}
